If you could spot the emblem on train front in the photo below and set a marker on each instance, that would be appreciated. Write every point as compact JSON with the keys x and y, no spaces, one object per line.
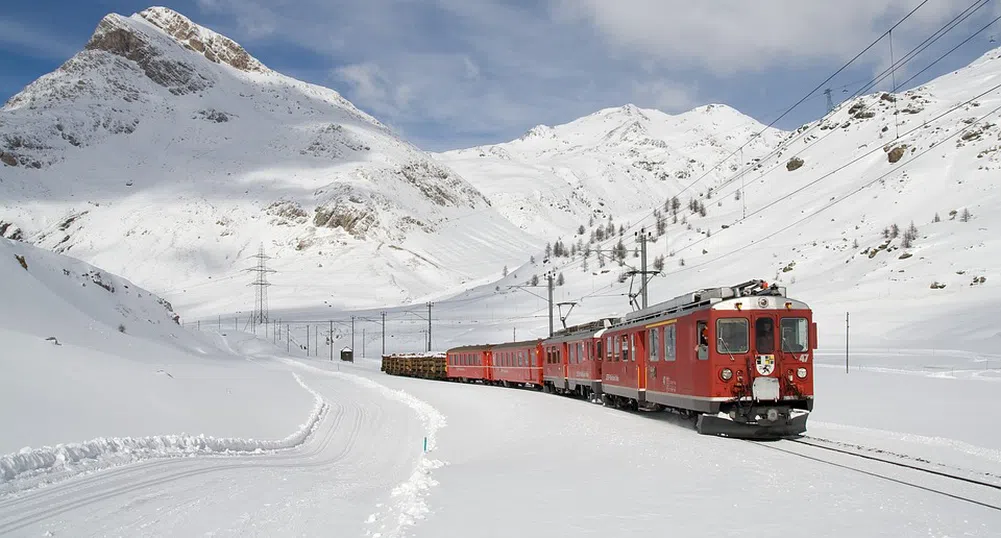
{"x":765,"y":364}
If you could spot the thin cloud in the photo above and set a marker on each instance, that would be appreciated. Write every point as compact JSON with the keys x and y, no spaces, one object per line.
{"x":731,"y":36}
{"x":453,"y":73}
{"x":20,"y":37}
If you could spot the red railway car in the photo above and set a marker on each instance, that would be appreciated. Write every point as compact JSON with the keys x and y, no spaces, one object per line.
{"x":469,"y":363}
{"x":739,"y":358}
{"x":517,"y":363}
{"x":573,"y":359}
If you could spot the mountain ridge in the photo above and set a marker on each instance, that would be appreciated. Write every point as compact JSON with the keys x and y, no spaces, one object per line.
{"x":162,"y":138}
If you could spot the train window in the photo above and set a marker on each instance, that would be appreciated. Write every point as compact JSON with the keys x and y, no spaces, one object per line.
{"x":702,"y":337}
{"x":653,"y":349}
{"x":764,"y":335}
{"x":670,"y":343}
{"x":625,"y":347}
{"x":731,"y":335}
{"x":597,"y":350}
{"x":795,"y":335}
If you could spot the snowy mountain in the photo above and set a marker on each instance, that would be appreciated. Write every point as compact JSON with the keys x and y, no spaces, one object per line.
{"x":611,"y":163}
{"x":826,"y":210}
{"x":165,"y":152}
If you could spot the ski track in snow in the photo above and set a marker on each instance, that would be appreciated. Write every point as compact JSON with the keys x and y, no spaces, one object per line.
{"x":75,"y":458}
{"x":410,"y":496}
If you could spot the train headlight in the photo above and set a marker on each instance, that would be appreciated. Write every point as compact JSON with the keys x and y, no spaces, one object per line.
{"x":801,"y":372}
{"x":726,"y":374}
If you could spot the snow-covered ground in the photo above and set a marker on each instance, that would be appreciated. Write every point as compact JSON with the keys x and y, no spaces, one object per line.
{"x":243,"y":439}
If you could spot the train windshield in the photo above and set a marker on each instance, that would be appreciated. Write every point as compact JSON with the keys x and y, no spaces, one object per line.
{"x":795,"y":335}
{"x":732,"y":334}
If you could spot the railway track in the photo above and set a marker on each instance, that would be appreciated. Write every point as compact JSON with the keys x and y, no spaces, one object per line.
{"x":822,"y":447}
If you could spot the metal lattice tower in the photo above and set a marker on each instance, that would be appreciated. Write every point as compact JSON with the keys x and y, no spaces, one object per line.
{"x":830,"y":102}
{"x":260,"y":284}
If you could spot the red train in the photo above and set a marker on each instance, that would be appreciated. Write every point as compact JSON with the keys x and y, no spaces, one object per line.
{"x":739,"y":359}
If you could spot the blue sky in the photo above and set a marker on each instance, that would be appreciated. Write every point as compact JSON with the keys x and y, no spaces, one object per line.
{"x":457,"y":73}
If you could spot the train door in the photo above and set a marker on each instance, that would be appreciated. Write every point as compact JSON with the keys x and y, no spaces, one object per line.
{"x":565,"y":362}
{"x":641,"y":352}
{"x":662,"y":358}
{"x":632,"y":361}
{"x":765,"y":368}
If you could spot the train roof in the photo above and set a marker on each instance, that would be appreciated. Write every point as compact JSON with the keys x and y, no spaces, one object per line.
{"x":471,"y":347}
{"x":711,"y":298}
{"x":522,"y":343}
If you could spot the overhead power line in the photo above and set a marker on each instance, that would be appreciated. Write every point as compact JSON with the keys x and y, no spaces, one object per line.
{"x":935,"y":36}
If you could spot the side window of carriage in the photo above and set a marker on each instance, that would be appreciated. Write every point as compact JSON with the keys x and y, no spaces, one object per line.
{"x":653,"y":348}
{"x":702,"y":337}
{"x":670,"y":342}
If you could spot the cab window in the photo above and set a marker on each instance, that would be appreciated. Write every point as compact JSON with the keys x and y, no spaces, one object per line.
{"x":732,"y":336}
{"x":764,"y":335}
{"x":702,"y":337}
{"x":795,"y":335}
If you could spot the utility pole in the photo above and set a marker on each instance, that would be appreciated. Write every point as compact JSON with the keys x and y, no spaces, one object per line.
{"x":330,"y":338}
{"x":643,"y":236}
{"x":429,"y":325}
{"x":352,"y":334}
{"x":383,"y":333}
{"x":307,"y":339}
{"x":363,"y":342}
{"x":549,"y":283}
{"x":846,"y":342}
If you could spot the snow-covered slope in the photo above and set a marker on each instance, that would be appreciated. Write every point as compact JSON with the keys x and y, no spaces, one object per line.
{"x":166,"y":153}
{"x":97,"y":370}
{"x":610,"y":163}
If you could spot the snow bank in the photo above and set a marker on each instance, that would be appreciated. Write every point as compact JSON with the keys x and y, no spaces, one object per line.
{"x":107,"y":452}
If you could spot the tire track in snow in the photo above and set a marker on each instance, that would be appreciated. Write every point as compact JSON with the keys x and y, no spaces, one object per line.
{"x":409,"y":498}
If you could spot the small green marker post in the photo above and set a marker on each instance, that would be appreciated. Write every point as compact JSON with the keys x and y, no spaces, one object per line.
{"x":425,"y":444}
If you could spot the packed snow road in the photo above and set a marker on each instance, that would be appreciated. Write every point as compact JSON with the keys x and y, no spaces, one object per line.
{"x":340,"y":482}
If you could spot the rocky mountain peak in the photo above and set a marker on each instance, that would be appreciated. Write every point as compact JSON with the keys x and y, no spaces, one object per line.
{"x":216,"y":47}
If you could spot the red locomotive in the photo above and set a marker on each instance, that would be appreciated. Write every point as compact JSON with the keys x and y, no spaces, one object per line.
{"x":739,"y":359}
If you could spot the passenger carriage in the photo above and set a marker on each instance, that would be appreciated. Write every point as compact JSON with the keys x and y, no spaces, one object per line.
{"x":469,"y":363}
{"x":517,"y":363}
{"x":573,"y":362}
